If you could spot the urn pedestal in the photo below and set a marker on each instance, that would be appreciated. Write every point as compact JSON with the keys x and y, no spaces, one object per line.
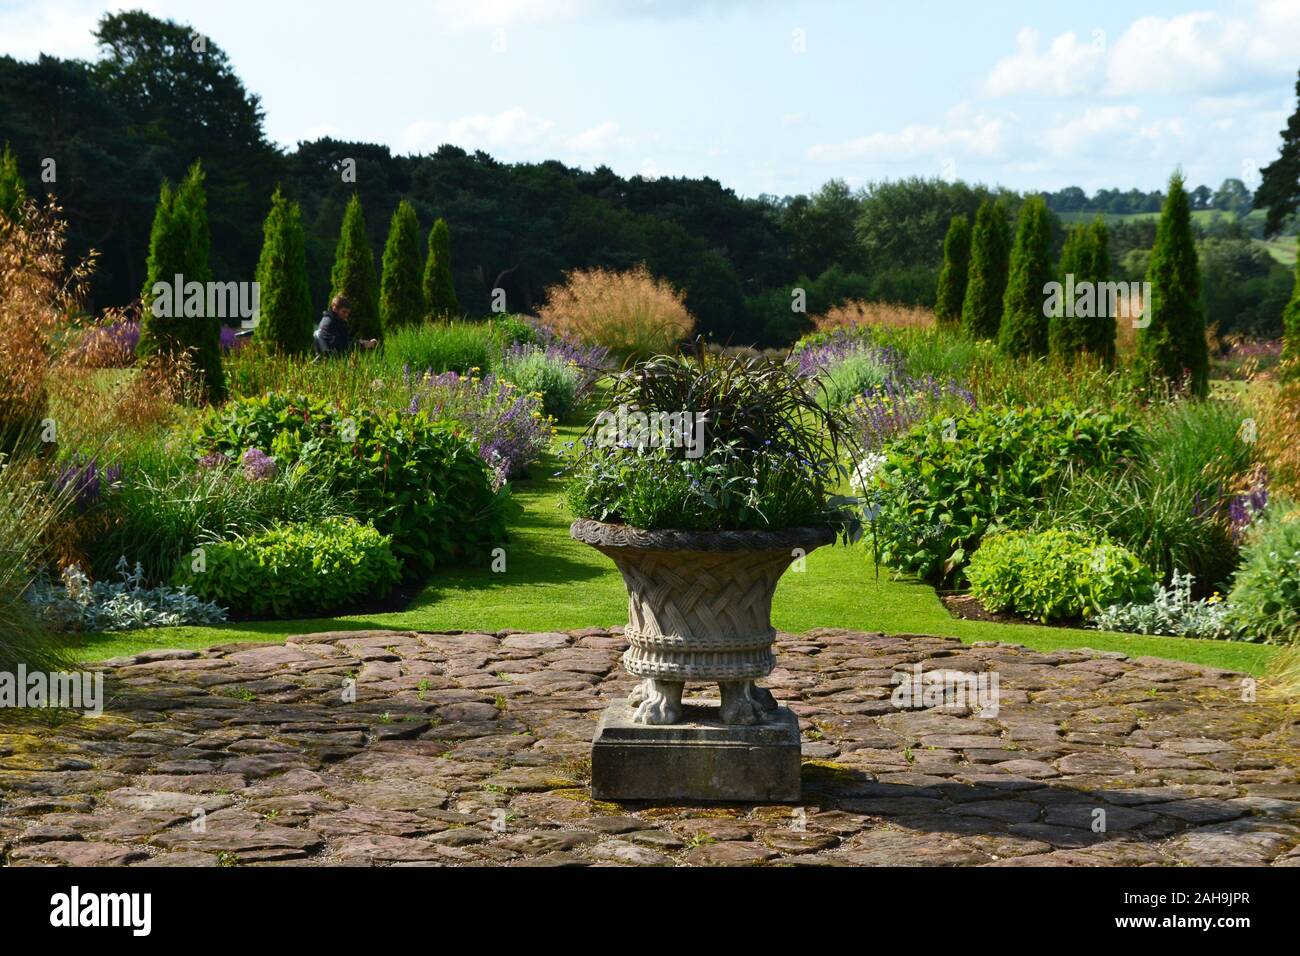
{"x":699,"y":611}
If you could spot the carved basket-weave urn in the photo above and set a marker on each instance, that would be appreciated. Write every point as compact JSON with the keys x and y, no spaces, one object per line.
{"x":700,"y":610}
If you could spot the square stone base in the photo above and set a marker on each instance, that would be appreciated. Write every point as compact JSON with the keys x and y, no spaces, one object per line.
{"x":699,"y":759}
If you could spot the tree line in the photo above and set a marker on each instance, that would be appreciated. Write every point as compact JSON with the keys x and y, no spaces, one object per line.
{"x":103,"y":135}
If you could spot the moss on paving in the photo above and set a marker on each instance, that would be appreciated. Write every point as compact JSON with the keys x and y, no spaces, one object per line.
{"x":553,"y":583}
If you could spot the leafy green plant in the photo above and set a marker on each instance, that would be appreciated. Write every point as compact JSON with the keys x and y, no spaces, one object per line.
{"x":949,"y":481}
{"x":771,"y":454}
{"x":1265,"y":597}
{"x":418,"y":480}
{"x":534,"y":371}
{"x":293,"y":568}
{"x":158,"y":516}
{"x":1168,"y":505}
{"x":845,"y":380}
{"x":1054,"y":575}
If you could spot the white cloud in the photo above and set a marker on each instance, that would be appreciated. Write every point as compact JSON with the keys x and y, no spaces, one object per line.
{"x":59,"y":29}
{"x":983,"y":137}
{"x":1202,"y":52}
{"x":1095,"y":126}
{"x":463,"y":15}
{"x":596,"y":139}
{"x":512,"y":129}
{"x":1066,"y":67}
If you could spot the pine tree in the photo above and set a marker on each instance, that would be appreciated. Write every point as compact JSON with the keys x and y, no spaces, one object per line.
{"x":1279,"y":187}
{"x":981,"y":311}
{"x":354,"y":273}
{"x":401,"y":297}
{"x":1172,"y":346}
{"x":285,"y":323}
{"x":439,"y":289}
{"x":179,"y":244}
{"x":12,"y":191}
{"x":1291,"y":326}
{"x":1024,"y":322}
{"x":956,"y":269}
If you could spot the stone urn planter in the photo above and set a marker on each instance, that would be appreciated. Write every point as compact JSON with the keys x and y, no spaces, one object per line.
{"x":700,"y":610}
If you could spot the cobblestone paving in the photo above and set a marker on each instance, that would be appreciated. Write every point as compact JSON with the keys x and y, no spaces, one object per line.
{"x":472,"y":749}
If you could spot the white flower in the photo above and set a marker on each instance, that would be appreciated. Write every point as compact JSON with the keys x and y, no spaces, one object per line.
{"x":861,"y":477}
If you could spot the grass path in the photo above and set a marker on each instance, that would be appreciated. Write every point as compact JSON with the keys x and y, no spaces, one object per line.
{"x":554,"y":583}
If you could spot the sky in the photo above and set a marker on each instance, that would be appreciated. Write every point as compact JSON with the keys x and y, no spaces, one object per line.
{"x":766,"y":97}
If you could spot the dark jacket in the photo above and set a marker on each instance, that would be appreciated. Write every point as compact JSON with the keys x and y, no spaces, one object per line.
{"x":333,"y":335}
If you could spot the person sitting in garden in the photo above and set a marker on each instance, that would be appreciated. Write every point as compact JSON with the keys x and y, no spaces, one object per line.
{"x":332,"y":336}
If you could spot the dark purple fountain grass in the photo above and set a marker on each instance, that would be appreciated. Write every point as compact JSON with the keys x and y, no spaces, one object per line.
{"x":507,"y":424}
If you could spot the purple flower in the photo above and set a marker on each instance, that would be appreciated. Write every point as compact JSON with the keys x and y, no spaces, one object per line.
{"x":230,"y":340}
{"x":85,"y":481}
{"x":213,"y":460}
{"x":257,"y":465}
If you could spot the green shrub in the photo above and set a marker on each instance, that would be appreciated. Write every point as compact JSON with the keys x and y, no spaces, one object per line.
{"x":158,"y":516}
{"x":443,"y":347}
{"x":1054,"y":575}
{"x":845,"y":380}
{"x":1265,"y":597}
{"x":1171,"y":611}
{"x":294,"y":568}
{"x":535,"y":372}
{"x":1169,"y":504}
{"x":513,"y":330}
{"x":949,"y":481}
{"x":420,"y":481}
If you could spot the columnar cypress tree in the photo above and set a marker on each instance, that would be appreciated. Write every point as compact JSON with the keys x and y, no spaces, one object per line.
{"x":354,"y":273}
{"x":179,"y":243}
{"x":1024,"y":322}
{"x":1291,"y":326}
{"x":401,"y":298}
{"x":1100,"y":338}
{"x":953,"y":276}
{"x":285,"y":324}
{"x":1173,"y":344}
{"x":981,"y":311}
{"x":439,"y":289}
{"x":12,"y":191}
{"x":1085,"y":258}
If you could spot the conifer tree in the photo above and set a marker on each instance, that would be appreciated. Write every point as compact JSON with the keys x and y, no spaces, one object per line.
{"x":401,"y":296}
{"x":285,"y":323}
{"x":1291,"y":326}
{"x":953,"y":276}
{"x":1172,"y":346}
{"x":439,"y":289}
{"x":354,"y":273}
{"x":1024,"y":320}
{"x":981,"y":311}
{"x":12,"y":191}
{"x":1084,"y":323}
{"x":177,"y":318}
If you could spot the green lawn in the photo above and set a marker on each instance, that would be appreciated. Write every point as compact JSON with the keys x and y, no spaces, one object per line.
{"x":553,"y":583}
